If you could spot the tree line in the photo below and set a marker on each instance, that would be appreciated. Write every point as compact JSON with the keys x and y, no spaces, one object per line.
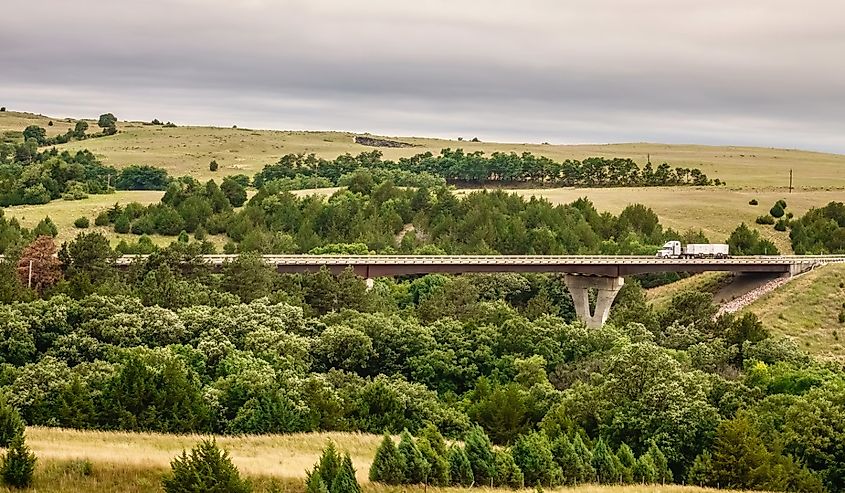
{"x":475,"y":169}
{"x":386,"y":218}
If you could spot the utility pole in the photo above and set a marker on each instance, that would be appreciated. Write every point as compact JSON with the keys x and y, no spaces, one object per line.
{"x":790,"y":180}
{"x":29,"y":283}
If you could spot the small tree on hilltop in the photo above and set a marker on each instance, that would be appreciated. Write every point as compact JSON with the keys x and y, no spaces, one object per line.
{"x":460,"y":469}
{"x":18,"y":464}
{"x":11,"y":424}
{"x":387,"y":464}
{"x":38,"y":267}
{"x":106,"y":120}
{"x":206,"y":469}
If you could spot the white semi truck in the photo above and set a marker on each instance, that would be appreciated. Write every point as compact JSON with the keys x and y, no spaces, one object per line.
{"x":673,"y":249}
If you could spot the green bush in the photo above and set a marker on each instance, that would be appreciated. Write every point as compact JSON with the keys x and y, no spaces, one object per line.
{"x":781,"y":225}
{"x":102,"y":219}
{"x":206,"y":469}
{"x":777,"y":210}
{"x":753,"y":202}
{"x":213,"y":166}
{"x":18,"y":464}
{"x":121,"y":224}
{"x":767,"y":219}
{"x":81,"y":222}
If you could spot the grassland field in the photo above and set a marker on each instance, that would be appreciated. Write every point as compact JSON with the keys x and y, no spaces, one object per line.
{"x":135,"y":462}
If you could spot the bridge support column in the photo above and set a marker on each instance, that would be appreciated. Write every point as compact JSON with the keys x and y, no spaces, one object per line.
{"x":579,"y":289}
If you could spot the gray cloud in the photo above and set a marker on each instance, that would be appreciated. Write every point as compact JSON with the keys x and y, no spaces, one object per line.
{"x":761,"y":72}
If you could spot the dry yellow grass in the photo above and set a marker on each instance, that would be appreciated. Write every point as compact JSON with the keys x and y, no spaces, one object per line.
{"x":285,"y":456}
{"x":135,"y":462}
{"x":808,"y":308}
{"x":188,"y":150}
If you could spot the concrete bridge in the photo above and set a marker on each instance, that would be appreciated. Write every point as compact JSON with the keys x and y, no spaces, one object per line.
{"x":604,"y":273}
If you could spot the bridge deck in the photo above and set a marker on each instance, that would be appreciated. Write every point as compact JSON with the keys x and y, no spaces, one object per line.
{"x":596,"y":265}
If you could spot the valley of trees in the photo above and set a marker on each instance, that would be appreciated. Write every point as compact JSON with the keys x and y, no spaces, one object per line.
{"x":676,"y":394}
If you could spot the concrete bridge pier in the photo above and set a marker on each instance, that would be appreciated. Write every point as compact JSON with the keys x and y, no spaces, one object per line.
{"x":579,"y":289}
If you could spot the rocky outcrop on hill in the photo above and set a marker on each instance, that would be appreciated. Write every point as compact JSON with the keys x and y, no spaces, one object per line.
{"x":374,"y":142}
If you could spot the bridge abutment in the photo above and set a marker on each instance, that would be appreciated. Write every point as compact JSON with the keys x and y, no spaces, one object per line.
{"x":579,"y":289}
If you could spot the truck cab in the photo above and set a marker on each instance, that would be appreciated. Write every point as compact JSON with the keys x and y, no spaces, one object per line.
{"x":670,"y":249}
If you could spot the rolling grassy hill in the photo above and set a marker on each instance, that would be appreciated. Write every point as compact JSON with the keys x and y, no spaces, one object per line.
{"x":188,"y":150}
{"x":808,"y":308}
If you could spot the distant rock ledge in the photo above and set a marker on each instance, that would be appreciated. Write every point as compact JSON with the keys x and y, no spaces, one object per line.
{"x":373,"y":142}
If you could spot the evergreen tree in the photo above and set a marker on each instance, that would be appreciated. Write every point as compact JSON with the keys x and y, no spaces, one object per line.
{"x":479,"y":450}
{"x":460,"y":469}
{"x":328,"y":465}
{"x":206,"y":469}
{"x":701,"y":471}
{"x":18,"y":464}
{"x":387,"y":465}
{"x":416,"y":469}
{"x":661,"y":464}
{"x":314,"y":483}
{"x":533,"y":455}
{"x":571,"y":465}
{"x":604,"y":462}
{"x":11,"y":424}
{"x":645,"y":471}
{"x":587,"y":473}
{"x":507,"y":472}
{"x":439,"y":466}
{"x":435,"y":438}
{"x":627,"y":460}
{"x":344,"y":481}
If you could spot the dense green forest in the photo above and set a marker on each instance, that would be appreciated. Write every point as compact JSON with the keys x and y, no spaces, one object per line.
{"x":474,"y":169}
{"x":168,"y":345}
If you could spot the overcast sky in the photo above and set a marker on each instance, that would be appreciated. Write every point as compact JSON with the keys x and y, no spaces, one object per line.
{"x":757,"y":72}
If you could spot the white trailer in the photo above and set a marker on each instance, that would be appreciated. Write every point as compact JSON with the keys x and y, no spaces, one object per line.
{"x":673,"y":249}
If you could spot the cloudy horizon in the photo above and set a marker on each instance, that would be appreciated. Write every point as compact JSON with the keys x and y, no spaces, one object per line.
{"x":758,"y":72}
